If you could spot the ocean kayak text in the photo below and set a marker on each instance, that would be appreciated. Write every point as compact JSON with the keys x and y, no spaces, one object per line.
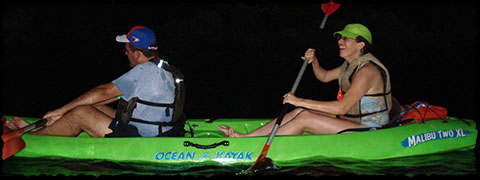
{"x":187,"y":155}
{"x":434,"y":135}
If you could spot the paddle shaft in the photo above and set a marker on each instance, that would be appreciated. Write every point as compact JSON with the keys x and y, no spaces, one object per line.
{"x":39,"y":123}
{"x":263,"y":154}
{"x":324,"y":21}
{"x":286,"y":106}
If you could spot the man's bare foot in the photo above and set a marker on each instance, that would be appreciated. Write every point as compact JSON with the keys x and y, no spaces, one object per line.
{"x":16,"y":123}
{"x":11,"y":125}
{"x":229,"y":131}
{"x":20,"y":122}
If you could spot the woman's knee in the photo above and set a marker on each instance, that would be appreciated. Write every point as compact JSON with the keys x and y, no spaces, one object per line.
{"x":298,"y":111}
{"x":309,"y":117}
{"x":303,"y":116}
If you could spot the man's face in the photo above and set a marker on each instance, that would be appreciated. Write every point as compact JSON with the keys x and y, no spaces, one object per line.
{"x":130,"y":55}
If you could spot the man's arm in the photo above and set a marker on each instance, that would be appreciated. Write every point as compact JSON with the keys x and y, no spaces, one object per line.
{"x":99,"y":95}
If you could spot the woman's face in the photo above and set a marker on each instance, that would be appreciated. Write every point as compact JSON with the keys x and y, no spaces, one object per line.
{"x":349,"y":48}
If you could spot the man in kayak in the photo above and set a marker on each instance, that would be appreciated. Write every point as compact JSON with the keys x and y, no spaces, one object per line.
{"x":147,"y":81}
{"x":364,"y":98}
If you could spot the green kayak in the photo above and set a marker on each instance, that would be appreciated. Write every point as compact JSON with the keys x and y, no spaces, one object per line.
{"x":206,"y":143}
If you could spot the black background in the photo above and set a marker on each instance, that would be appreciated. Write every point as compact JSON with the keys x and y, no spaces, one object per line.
{"x":239,"y":58}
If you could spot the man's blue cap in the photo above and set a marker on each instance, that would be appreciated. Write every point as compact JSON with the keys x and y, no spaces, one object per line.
{"x":140,"y":36}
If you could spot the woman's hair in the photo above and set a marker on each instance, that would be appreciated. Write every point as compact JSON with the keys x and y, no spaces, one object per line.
{"x":147,"y":53}
{"x":367,"y":47}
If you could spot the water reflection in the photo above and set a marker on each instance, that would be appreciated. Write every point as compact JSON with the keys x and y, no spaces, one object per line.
{"x":452,"y":163}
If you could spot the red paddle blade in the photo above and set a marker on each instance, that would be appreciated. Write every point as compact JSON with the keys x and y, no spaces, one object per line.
{"x":12,"y":146}
{"x":260,"y":158}
{"x":12,"y":141}
{"x":12,"y":135}
{"x":330,"y":7}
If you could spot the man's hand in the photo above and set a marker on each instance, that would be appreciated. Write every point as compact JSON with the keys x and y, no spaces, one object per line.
{"x":53,"y":116}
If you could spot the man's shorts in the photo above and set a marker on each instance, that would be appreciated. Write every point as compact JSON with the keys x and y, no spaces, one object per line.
{"x":121,"y":129}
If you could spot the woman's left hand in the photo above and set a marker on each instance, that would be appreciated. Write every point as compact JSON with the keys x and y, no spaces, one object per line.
{"x":291,"y":99}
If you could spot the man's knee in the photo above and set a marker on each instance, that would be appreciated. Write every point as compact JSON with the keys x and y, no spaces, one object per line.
{"x":81,"y":111}
{"x":85,"y":115}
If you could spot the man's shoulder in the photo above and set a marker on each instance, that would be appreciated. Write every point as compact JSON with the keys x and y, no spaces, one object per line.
{"x":144,"y":67}
{"x":147,"y":64}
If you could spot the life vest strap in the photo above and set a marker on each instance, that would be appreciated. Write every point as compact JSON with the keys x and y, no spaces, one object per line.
{"x":168,"y":106}
{"x":379,"y":94}
{"x":149,"y":122}
{"x":155,"y":104}
{"x":362,"y":115}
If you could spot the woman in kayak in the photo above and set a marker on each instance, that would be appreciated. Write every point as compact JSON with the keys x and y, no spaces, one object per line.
{"x":364,"y":98}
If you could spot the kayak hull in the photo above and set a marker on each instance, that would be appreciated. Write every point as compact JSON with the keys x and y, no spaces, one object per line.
{"x":434,"y":136}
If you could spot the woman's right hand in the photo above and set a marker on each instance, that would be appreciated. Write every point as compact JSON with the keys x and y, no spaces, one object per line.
{"x":310,"y":54}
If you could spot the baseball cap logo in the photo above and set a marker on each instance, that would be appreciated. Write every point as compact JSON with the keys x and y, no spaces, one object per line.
{"x":135,"y":39}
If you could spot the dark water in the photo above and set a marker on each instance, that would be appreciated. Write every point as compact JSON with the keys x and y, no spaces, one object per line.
{"x":461,"y":163}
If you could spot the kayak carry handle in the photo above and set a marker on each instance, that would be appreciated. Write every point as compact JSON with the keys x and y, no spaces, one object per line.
{"x":199,"y":146}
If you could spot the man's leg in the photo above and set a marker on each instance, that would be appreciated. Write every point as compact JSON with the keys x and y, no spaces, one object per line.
{"x":83,"y":118}
{"x":110,"y":112}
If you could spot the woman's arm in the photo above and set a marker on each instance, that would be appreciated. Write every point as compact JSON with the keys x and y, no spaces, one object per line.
{"x":362,"y":82}
{"x":321,"y":74}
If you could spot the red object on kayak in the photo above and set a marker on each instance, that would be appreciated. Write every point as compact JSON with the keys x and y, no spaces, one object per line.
{"x":420,"y":111}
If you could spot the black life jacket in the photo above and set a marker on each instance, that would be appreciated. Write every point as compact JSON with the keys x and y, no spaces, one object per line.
{"x":125,"y":108}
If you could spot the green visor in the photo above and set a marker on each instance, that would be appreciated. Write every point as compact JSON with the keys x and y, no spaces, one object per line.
{"x":354,"y":30}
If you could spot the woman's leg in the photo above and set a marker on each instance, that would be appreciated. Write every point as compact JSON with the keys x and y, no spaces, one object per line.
{"x":298,"y":121}
{"x":316,"y":123}
{"x":265,"y":129}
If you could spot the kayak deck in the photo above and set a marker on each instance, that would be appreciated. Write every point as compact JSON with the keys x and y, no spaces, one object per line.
{"x":210,"y":144}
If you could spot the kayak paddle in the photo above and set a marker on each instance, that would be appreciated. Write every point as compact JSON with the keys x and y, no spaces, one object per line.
{"x":12,"y":141}
{"x":261,"y":158}
{"x":328,"y":9}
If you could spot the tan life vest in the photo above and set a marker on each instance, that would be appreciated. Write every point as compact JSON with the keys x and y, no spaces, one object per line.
{"x":344,"y":80}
